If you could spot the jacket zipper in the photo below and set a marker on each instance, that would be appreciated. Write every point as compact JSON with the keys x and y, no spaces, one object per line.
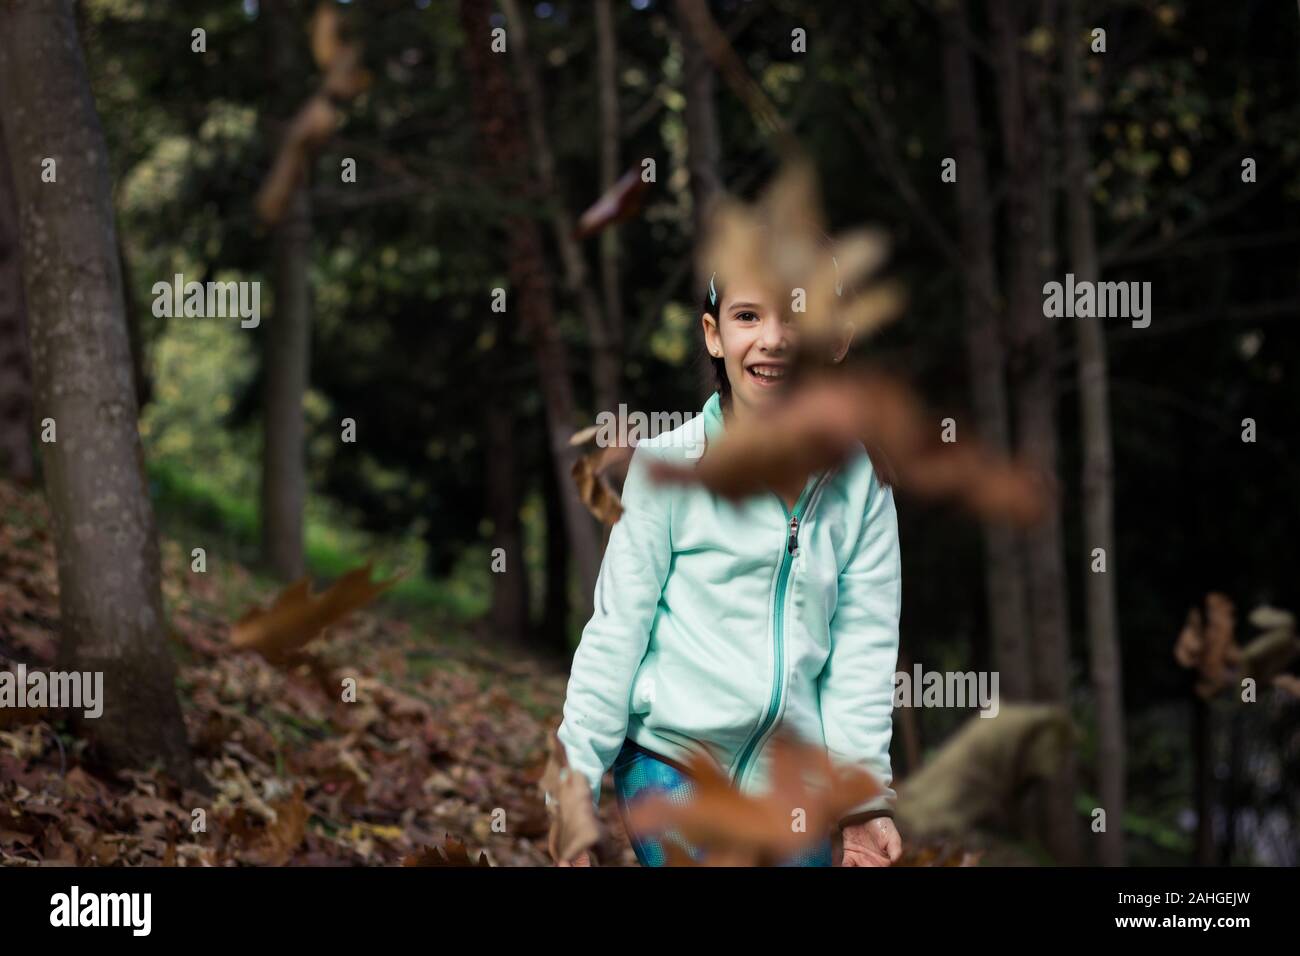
{"x":778,"y":622}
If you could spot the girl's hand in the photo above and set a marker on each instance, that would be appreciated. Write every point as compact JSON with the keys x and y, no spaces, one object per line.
{"x":582,"y":859}
{"x":873,"y":843}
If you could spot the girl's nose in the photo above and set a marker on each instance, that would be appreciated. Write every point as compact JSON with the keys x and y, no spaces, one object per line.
{"x":774,"y":333}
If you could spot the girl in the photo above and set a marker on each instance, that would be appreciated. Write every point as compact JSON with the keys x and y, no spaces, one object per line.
{"x":718,"y":623}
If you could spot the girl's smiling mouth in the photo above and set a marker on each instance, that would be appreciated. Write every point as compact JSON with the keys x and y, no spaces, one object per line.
{"x":767,"y":374}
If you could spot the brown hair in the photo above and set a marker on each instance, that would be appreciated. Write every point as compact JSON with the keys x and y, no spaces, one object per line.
{"x":721,"y":383}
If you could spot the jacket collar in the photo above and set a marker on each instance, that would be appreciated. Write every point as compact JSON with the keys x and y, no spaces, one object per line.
{"x":712,"y":413}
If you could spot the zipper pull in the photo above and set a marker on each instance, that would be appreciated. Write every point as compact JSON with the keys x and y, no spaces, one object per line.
{"x":792,"y":545}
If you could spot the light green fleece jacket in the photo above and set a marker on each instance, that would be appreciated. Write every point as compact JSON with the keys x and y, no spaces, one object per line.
{"x":716,"y":623}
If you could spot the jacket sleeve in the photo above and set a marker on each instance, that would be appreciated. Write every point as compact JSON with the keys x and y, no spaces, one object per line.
{"x":857,"y":682}
{"x":628,"y":587}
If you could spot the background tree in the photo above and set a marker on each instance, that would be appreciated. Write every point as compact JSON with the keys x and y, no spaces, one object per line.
{"x":288,"y":333}
{"x":16,"y":459}
{"x":110,"y":600}
{"x":1097,"y":482}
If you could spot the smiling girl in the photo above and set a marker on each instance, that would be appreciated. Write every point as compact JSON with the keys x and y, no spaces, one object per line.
{"x":718,"y":623}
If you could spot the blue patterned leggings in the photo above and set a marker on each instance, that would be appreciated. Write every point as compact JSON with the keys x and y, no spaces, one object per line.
{"x":637,"y":774}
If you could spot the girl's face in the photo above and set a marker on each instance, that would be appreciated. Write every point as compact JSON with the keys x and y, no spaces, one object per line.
{"x":756,"y":346}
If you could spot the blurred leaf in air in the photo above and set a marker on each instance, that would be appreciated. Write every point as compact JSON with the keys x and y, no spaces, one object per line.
{"x":298,"y":616}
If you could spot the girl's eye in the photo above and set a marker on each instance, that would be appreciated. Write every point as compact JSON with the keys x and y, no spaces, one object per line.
{"x":741,"y":316}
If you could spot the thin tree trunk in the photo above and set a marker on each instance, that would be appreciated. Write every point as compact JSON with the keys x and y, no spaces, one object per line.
{"x":502,"y":146}
{"x":555,"y":614}
{"x":1203,"y":779}
{"x":135,"y":330}
{"x":607,"y":360}
{"x":109,"y":570}
{"x":611,"y":125}
{"x":1004,"y":580}
{"x":1098,"y":479}
{"x":703,"y":149}
{"x":909,"y":728}
{"x":1232,"y":803}
{"x":509,"y":614}
{"x":16,"y":459}
{"x":1035,"y":394}
{"x":287,"y":340}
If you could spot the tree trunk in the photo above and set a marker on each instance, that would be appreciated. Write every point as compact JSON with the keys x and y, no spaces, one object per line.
{"x":502,"y":147}
{"x":136,"y":333}
{"x":16,"y":459}
{"x":509,"y":614}
{"x":606,"y":357}
{"x":1004,"y":581}
{"x":1203,"y":778}
{"x":611,"y":125}
{"x":1033,"y":366}
{"x":704,"y":153}
{"x":1098,"y":481}
{"x":1232,"y":805}
{"x":287,"y":339}
{"x":555,"y":615}
{"x":103,"y":524}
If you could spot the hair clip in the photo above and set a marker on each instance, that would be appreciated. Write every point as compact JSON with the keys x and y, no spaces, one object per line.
{"x":713,"y":293}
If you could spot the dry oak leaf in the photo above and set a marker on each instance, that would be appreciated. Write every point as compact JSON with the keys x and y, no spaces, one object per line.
{"x":737,"y":829}
{"x":780,"y":240}
{"x":317,"y":119}
{"x":1206,"y":643}
{"x":591,"y":475}
{"x":297,"y":616}
{"x":1220,"y":648}
{"x":825,"y":419}
{"x":451,"y":853}
{"x":275,"y":843}
{"x":324,"y":30}
{"x":567,"y":795}
{"x":619,"y":203}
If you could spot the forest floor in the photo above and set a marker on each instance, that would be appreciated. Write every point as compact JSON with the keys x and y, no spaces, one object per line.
{"x":436,"y":761}
{"x":438,"y":758}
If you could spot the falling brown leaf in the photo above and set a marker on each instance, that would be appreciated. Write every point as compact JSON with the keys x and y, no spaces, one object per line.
{"x":574,"y":828}
{"x":1207,"y":643}
{"x":584,"y":436}
{"x":780,"y":241}
{"x":297,"y":616}
{"x":737,"y":829}
{"x":344,"y":79}
{"x":620,"y":203}
{"x":1220,"y":623}
{"x":324,"y":29}
{"x":591,"y":474}
{"x":824,"y":420}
